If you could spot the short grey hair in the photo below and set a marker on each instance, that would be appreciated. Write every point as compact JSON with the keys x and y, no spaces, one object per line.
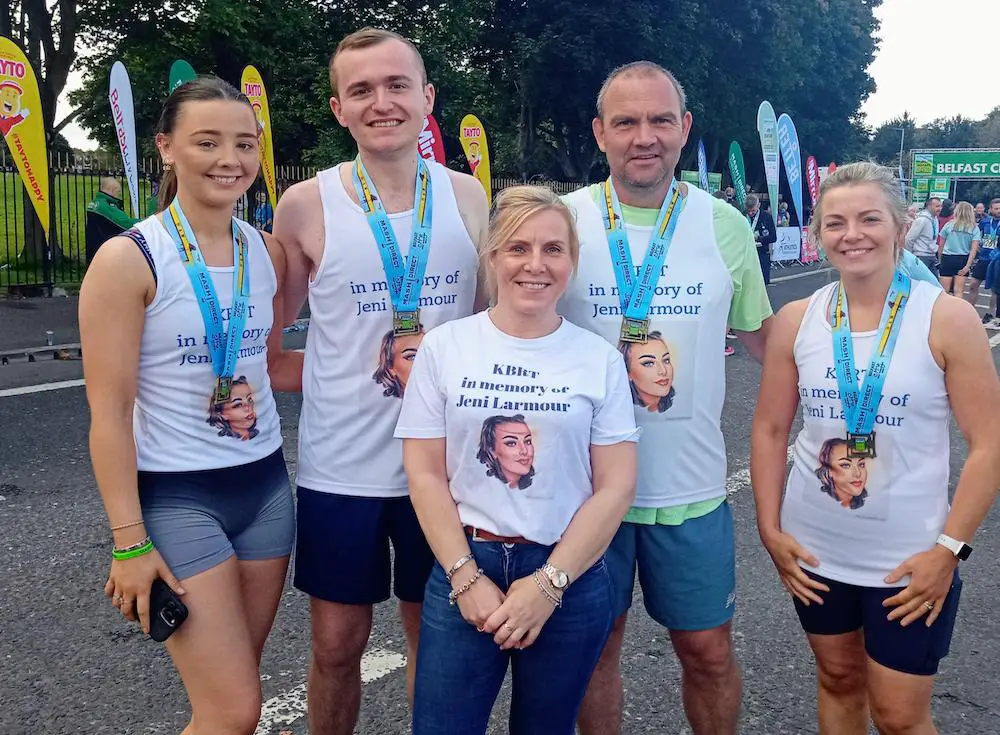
{"x":751,"y":201}
{"x":640,"y":68}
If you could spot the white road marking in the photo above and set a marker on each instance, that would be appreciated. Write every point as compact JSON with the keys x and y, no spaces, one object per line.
{"x":41,"y":388}
{"x":792,"y":277}
{"x":741,"y":478}
{"x":290,"y":706}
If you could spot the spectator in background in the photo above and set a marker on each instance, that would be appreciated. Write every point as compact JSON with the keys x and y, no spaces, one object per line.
{"x":263,"y":215}
{"x":947,"y":213}
{"x":980,"y":211}
{"x":764,"y":234}
{"x":106,"y":216}
{"x":921,"y":239}
{"x":784,"y":219}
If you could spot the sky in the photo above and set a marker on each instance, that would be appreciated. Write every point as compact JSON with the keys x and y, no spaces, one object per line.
{"x":934,"y":60}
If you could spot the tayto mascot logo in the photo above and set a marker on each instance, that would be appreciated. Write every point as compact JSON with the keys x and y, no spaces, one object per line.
{"x":11,"y":112}
{"x":258,"y":112}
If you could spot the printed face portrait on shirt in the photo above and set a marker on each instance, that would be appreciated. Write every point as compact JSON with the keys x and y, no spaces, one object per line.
{"x":507,"y":448}
{"x":843,"y":478}
{"x":235,"y":417}
{"x":395,"y":361}
{"x":650,"y":370}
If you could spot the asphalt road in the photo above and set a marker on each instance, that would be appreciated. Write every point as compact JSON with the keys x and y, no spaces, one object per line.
{"x":69,"y":664}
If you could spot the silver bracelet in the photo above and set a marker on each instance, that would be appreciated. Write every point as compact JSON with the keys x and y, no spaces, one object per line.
{"x":458,"y":565}
{"x":550,"y":596}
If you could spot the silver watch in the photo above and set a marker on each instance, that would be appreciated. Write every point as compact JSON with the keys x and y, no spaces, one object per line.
{"x":557,"y":577}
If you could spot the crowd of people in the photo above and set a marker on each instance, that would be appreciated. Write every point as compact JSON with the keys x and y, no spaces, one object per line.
{"x":524,"y":405}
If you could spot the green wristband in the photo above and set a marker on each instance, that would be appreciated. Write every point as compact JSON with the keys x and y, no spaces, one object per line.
{"x":131,"y":553}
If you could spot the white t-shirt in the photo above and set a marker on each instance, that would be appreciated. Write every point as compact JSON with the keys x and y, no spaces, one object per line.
{"x":862,"y":517}
{"x":519,"y":416}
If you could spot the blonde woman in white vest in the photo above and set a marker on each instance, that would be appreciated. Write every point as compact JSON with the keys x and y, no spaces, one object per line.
{"x":185,"y":439}
{"x":862,"y":533}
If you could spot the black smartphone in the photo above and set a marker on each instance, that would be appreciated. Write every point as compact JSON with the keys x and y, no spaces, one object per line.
{"x":166,"y":611}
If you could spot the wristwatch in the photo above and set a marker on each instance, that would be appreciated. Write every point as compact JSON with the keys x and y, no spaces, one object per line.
{"x":557,"y":577}
{"x":959,"y":548}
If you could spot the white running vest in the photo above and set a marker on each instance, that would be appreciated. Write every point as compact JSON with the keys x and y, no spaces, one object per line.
{"x":355,"y":370}
{"x":175,"y":427}
{"x":679,"y":382}
{"x":861,"y":518}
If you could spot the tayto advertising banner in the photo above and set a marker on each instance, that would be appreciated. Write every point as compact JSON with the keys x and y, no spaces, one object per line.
{"x":767,"y":129}
{"x":253,"y":87}
{"x":123,"y":113}
{"x":477,"y":152}
{"x":429,"y":144}
{"x":788,"y":246}
{"x":984,"y":164}
{"x":738,"y":172}
{"x":702,"y":166}
{"x":180,"y":72}
{"x":22,"y":126}
{"x":788,"y":141}
{"x":812,"y":180}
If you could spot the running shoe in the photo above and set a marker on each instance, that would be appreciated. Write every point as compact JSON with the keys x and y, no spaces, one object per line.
{"x":730,"y":350}
{"x":987,"y":318}
{"x":994,"y":324}
{"x":731,"y":334}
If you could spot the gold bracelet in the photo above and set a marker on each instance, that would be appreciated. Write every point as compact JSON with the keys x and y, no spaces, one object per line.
{"x":552,"y":597}
{"x":127,"y":525}
{"x":455,"y":594}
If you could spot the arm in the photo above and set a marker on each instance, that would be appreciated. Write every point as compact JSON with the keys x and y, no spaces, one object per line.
{"x":283,"y":368}
{"x":959,"y":344}
{"x":755,"y":342}
{"x":777,"y":403}
{"x":294,"y":221}
{"x":973,"y":252}
{"x":475,"y":211}
{"x":916,"y":231}
{"x":113,"y":299}
{"x":772,"y":232}
{"x":596,"y":522}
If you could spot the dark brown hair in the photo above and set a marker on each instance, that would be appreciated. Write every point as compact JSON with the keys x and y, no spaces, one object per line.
{"x":203,"y":89}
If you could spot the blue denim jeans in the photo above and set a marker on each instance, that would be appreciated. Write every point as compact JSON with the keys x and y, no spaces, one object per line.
{"x":460,"y":670}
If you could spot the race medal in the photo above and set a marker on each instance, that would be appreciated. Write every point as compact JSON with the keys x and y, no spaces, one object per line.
{"x":223,"y":389}
{"x":405,"y":322}
{"x":634,"y":330}
{"x":860,"y":446}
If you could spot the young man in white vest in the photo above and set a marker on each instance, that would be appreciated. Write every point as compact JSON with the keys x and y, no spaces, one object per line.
{"x":679,"y":534}
{"x":351,"y":235}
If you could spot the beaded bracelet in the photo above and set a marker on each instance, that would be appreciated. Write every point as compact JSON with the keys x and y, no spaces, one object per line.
{"x":130,"y":552}
{"x":455,"y":594}
{"x":458,"y":565}
{"x":552,"y":597}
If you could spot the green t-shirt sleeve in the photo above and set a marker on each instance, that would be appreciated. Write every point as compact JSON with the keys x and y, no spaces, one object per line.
{"x":751,"y":305}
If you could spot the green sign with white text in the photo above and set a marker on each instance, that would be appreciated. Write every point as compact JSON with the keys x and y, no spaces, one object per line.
{"x":957,"y":164}
{"x":714,"y":180}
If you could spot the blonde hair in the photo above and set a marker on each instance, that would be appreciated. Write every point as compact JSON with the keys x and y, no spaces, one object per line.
{"x":366,"y":38}
{"x":513,"y":207}
{"x":965,"y":218}
{"x":857,"y":174}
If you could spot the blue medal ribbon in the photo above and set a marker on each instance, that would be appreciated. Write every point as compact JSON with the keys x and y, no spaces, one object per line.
{"x":635,"y":292}
{"x":404,"y":277}
{"x":223,"y":344}
{"x":861,"y":405}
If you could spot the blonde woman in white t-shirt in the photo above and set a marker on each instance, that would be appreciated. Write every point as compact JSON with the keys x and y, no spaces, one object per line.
{"x":518,"y":440}
{"x":861,"y":533}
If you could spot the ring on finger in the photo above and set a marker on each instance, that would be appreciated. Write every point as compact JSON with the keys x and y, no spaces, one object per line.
{"x":929,"y":605}
{"x":117,"y":599}
{"x":508,"y":627}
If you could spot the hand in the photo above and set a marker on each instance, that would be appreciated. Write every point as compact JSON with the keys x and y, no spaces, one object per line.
{"x":480,"y":601}
{"x":129,"y":583}
{"x":931,"y":574}
{"x":785,"y":552}
{"x":964,"y":271}
{"x":519,"y":620}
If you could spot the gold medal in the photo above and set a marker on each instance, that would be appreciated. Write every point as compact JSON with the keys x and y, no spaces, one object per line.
{"x":223,"y":389}
{"x":861,"y":446}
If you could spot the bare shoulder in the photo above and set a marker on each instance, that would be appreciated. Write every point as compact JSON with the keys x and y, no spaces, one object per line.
{"x":790,"y":315}
{"x":119,"y":269}
{"x":300,"y":197}
{"x":472,"y":204}
{"x":298,"y":221}
{"x":955,"y":328}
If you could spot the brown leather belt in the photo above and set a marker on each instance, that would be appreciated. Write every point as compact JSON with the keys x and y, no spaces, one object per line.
{"x":479,"y":534}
